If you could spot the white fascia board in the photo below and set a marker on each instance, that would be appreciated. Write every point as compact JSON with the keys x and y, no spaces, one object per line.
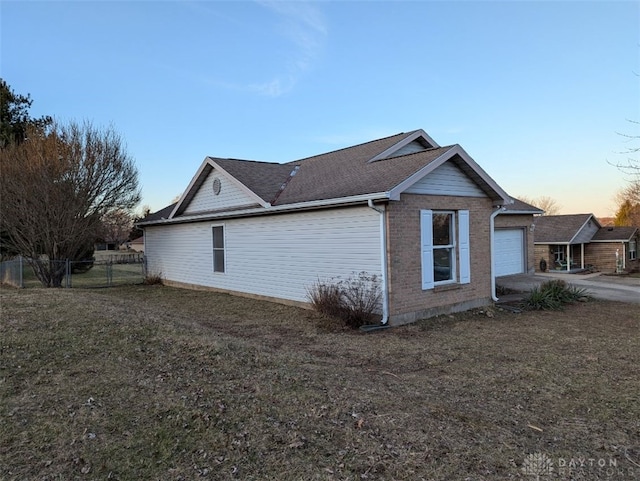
{"x":611,"y":241}
{"x":521,"y":212}
{"x":434,"y":164}
{"x":204,"y":171}
{"x":590,"y":218}
{"x":407,"y":140}
{"x":203,"y":166}
{"x":255,"y":211}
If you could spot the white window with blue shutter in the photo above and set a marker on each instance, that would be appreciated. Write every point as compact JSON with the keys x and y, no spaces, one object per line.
{"x":426,"y":248}
{"x":443,"y":243}
{"x":463,"y":242}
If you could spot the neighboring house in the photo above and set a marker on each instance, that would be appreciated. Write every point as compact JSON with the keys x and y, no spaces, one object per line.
{"x":576,"y":241}
{"x":106,"y":246}
{"x":137,"y":244}
{"x":417,"y":215}
{"x":609,"y":241}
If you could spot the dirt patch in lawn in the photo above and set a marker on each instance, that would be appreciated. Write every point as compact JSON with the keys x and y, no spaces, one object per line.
{"x":151,"y":382}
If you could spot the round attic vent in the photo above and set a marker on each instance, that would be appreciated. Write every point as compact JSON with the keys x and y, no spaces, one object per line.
{"x":217,"y":185}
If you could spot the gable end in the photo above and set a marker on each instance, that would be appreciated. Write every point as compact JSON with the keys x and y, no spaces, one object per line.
{"x":447,"y":179}
{"x":415,"y":142}
{"x":217,"y":192}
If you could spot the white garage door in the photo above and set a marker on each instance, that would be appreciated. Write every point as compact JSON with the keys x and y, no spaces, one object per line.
{"x":509,"y":252}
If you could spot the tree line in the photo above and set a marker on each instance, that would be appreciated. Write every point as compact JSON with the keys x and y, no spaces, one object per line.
{"x":63,"y":187}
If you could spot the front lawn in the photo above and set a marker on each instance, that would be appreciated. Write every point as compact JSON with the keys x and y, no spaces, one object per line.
{"x":151,"y":382}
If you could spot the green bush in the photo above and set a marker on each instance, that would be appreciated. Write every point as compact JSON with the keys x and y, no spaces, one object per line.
{"x":355,"y":300}
{"x":552,"y":295}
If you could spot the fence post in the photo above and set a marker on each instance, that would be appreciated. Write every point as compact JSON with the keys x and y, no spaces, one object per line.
{"x":21,"y":275}
{"x":67,"y":273}
{"x":109,"y":273}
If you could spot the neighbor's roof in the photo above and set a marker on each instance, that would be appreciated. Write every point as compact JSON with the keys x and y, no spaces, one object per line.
{"x":613,"y":234}
{"x":163,"y":213}
{"x":383,"y":167}
{"x":559,"y":229}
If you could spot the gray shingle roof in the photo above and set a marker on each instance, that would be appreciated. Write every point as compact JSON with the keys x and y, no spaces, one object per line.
{"x":341,"y":173}
{"x":263,"y":178}
{"x":344,"y":173}
{"x":161,"y":214}
{"x":558,"y":229}
{"x":521,"y":207}
{"x":348,"y":173}
{"x":620,"y":234}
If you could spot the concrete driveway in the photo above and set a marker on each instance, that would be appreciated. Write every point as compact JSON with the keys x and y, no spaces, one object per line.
{"x":613,"y":288}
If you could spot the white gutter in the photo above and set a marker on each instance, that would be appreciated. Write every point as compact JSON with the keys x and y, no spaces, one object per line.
{"x":383,"y":261}
{"x":491,"y":235}
{"x":314,"y":204}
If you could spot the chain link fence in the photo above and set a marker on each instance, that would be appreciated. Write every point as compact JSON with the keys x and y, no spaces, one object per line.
{"x":105,"y":272}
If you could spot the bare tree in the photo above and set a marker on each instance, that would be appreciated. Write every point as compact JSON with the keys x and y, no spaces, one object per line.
{"x":631,"y":165}
{"x":55,"y":189}
{"x":546,"y":203}
{"x":116,"y":226}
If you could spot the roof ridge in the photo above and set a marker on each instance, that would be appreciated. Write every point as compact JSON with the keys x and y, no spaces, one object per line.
{"x":352,"y":146}
{"x":246,"y":160}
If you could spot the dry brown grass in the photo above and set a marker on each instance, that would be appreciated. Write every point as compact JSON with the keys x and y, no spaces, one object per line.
{"x":151,"y":382}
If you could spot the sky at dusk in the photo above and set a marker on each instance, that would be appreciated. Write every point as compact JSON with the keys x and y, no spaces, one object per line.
{"x":537,"y":93}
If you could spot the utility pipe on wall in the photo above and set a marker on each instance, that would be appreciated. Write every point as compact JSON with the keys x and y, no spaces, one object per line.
{"x":383,"y":261}
{"x":492,"y":252}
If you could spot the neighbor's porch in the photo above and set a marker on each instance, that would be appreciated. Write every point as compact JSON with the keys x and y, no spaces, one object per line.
{"x":568,"y":258}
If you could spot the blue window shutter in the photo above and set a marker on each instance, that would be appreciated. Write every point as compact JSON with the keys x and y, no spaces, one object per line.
{"x":463,"y":243}
{"x":426,"y":248}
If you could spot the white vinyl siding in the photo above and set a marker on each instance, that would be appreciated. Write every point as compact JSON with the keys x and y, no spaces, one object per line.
{"x":458,"y":244}
{"x":277,"y":256}
{"x":447,"y":179}
{"x":231,"y":195}
{"x":410,"y":148}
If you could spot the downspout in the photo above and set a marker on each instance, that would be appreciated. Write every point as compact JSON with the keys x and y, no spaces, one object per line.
{"x":491,"y":234}
{"x":383,"y":261}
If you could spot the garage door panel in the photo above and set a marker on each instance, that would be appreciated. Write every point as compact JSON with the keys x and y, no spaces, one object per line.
{"x":509,"y":252}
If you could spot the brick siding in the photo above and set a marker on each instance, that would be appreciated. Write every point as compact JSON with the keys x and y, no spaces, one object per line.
{"x":407,"y":300}
{"x":543,"y":252}
{"x":603,"y":256}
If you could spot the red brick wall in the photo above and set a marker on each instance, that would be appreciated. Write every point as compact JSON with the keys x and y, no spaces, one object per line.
{"x":405,"y":271}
